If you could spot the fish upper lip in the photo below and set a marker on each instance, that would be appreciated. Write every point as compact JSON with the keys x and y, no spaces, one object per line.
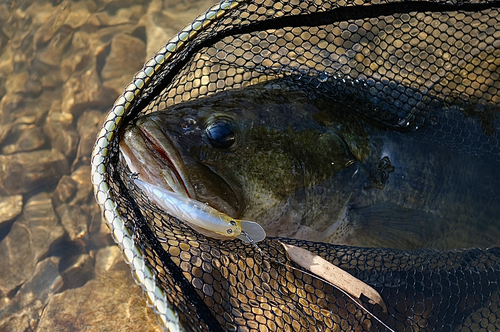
{"x":165,"y":156}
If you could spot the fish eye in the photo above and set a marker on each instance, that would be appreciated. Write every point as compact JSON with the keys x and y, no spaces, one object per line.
{"x":221,"y":133}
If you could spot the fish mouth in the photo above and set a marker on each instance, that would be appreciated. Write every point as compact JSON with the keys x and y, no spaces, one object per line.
{"x":150,"y":153}
{"x":168,"y":156}
{"x":159,"y":159}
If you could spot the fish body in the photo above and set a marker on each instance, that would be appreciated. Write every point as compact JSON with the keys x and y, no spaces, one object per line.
{"x":303,"y":165}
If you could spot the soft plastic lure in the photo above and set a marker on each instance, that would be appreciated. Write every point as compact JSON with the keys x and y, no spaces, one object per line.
{"x":201,"y":217}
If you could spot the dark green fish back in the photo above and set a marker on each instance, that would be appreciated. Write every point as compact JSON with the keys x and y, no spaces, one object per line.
{"x":395,"y":63}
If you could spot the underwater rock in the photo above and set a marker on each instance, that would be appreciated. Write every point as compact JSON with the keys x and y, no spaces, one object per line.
{"x":28,"y":240}
{"x":84,"y":193}
{"x":106,"y":258}
{"x":23,"y":311}
{"x":127,"y":15}
{"x":30,"y":112}
{"x":23,"y":172}
{"x":89,"y":121}
{"x":9,"y":104}
{"x":17,"y":259}
{"x":33,"y":86}
{"x":65,"y":189}
{"x":81,"y":92}
{"x":157,"y":25}
{"x":10,"y":207}
{"x":53,"y":53}
{"x":110,"y":302}
{"x":99,"y":19}
{"x":60,"y":131}
{"x":100,"y":235}
{"x":29,"y":138}
{"x":125,"y":58}
{"x":79,"y":271}
{"x":90,"y":219}
{"x":114,"y":5}
{"x":56,"y":121}
{"x":67,"y":143}
{"x":80,"y":57}
{"x":88,"y":125}
{"x":4,"y":131}
{"x":6,"y":63}
{"x":40,"y":218}
{"x":155,"y":35}
{"x":3,"y":40}
{"x":52,"y":79}
{"x":79,"y":13}
{"x":49,"y":18}
{"x":118,"y":13}
{"x":75,"y":222}
{"x":16,"y":83}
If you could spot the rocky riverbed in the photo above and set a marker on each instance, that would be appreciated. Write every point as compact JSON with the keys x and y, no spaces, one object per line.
{"x":62,"y":64}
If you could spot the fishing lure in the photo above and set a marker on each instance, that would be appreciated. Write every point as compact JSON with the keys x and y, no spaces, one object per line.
{"x":201,"y":217}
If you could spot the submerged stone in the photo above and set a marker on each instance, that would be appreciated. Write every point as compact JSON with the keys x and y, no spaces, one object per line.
{"x":85,"y":90}
{"x":29,"y":240}
{"x":79,"y":271}
{"x":23,"y":311}
{"x":88,"y":125}
{"x":10,"y":207}
{"x":110,"y":302}
{"x":65,"y":189}
{"x":60,"y":131}
{"x":29,"y":138}
{"x":53,"y":53}
{"x":84,"y":194}
{"x":125,"y":58}
{"x":75,"y":222}
{"x":25,"y":171}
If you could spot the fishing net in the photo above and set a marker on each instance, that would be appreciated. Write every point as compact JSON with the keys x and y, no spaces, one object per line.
{"x":392,"y":61}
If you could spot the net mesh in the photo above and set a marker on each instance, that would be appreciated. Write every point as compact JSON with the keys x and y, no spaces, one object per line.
{"x":392,"y":61}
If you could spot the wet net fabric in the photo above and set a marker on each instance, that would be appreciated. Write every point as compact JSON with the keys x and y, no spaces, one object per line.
{"x":229,"y":286}
{"x":407,"y":59}
{"x":395,"y":62}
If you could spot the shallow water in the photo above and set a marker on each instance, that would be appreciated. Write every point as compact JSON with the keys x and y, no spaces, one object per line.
{"x":62,"y":64}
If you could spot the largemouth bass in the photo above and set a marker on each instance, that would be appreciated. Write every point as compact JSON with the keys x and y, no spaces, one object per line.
{"x":304,"y":165}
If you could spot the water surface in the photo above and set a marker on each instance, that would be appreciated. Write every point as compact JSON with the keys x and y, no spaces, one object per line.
{"x":62,"y":65}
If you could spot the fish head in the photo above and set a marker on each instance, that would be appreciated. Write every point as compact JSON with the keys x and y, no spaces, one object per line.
{"x":152,"y":149}
{"x":244,"y":152}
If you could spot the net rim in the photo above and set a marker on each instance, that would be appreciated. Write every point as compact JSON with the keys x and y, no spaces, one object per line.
{"x":132,"y":253}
